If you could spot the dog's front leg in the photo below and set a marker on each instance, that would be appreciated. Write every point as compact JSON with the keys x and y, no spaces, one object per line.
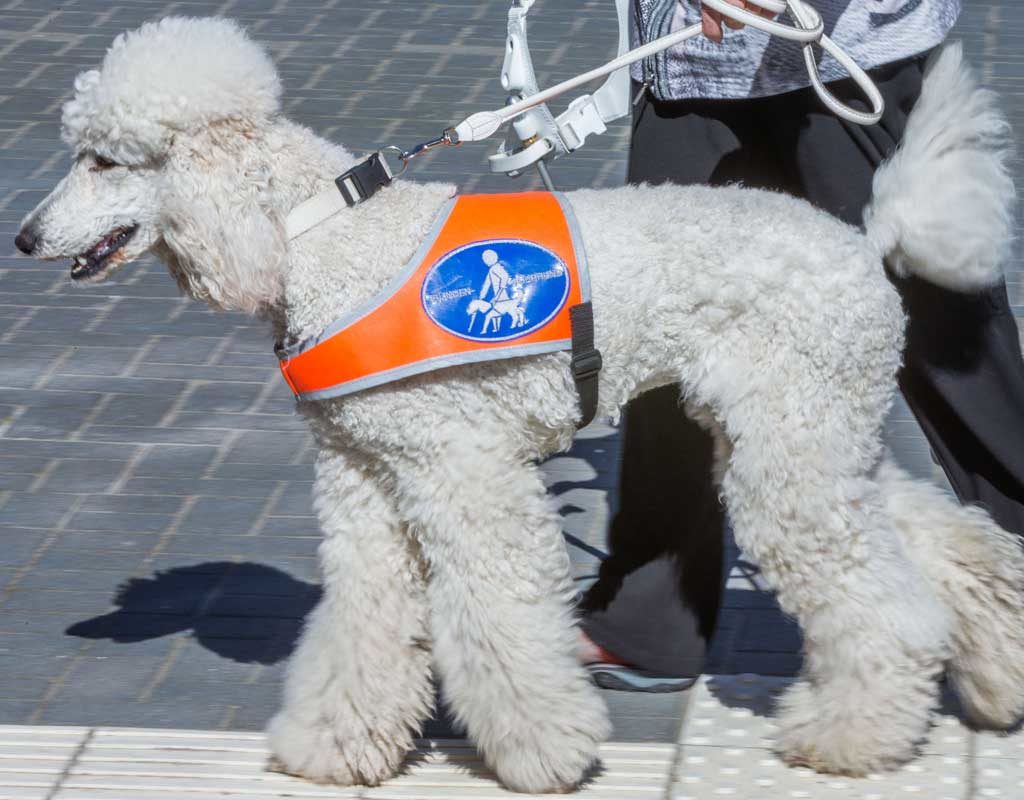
{"x":358,"y":685}
{"x":499,"y":593}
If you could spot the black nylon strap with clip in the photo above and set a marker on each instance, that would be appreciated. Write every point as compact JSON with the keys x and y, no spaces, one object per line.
{"x":364,"y":180}
{"x":586,"y":361}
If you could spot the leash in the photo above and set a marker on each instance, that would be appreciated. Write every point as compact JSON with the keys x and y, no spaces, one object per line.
{"x":543,"y":135}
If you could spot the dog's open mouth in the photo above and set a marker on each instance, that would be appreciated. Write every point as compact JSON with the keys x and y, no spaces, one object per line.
{"x":106,"y":251}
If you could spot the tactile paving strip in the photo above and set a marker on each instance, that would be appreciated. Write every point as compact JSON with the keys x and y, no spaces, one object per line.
{"x":726,"y":752}
{"x":32,"y":759}
{"x":999,"y":778}
{"x":752,"y":774}
{"x":738,"y":711}
{"x":128,"y":764}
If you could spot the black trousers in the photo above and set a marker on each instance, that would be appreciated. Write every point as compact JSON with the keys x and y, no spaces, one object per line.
{"x":658,"y":594}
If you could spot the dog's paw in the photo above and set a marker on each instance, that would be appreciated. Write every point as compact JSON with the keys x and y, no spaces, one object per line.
{"x":548,"y":748}
{"x":554,"y":754}
{"x":323,"y":754}
{"x":852,"y":739}
{"x":837,"y":752}
{"x":534,"y":769}
{"x":991,"y":693}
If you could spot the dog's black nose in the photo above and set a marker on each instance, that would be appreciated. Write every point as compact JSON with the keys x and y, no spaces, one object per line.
{"x":25,"y":241}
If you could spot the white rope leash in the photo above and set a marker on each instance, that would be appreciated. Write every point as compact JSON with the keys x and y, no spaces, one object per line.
{"x":808,"y":30}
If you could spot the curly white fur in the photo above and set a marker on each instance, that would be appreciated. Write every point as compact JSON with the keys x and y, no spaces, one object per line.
{"x":439,"y":537}
{"x":169,"y":77}
{"x":943,"y":204}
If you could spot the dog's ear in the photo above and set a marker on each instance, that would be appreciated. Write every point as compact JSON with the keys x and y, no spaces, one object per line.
{"x":227,"y":245}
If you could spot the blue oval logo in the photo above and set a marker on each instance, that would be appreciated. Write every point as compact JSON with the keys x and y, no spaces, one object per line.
{"x":495,"y":290}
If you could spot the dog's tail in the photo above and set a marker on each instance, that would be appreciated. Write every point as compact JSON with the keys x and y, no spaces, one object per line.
{"x":943,"y":203}
{"x":977,"y":570}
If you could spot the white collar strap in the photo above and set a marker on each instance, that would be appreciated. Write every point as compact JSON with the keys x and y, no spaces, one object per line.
{"x":351,"y":188}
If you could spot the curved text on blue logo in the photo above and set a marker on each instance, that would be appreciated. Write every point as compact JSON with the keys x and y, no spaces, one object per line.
{"x":495,"y":290}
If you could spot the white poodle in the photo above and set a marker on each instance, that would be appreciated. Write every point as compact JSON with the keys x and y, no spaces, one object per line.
{"x":777,"y":319}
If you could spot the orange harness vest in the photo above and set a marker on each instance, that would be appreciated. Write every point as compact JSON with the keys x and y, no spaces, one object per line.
{"x":499,"y":276}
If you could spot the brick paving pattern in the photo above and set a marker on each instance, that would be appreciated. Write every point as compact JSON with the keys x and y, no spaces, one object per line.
{"x":158,"y":544}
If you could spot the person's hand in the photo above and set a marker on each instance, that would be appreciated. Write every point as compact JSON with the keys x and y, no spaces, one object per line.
{"x":712,"y":20}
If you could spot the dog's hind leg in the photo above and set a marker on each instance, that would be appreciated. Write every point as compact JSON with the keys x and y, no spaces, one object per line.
{"x":805,"y":508}
{"x":358,"y":686}
{"x":500,"y":601}
{"x":978,"y":570}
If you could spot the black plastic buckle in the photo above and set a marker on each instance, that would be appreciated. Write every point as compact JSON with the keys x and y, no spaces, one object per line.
{"x":586,"y":364}
{"x":364,"y":180}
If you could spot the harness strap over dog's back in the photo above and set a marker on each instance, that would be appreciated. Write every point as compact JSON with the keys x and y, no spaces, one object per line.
{"x":499,"y":276}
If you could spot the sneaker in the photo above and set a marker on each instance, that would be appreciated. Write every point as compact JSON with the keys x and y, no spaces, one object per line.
{"x":609,"y":671}
{"x":628,"y":679}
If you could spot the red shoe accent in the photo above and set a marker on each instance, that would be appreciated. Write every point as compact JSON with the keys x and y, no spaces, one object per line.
{"x":605,"y":657}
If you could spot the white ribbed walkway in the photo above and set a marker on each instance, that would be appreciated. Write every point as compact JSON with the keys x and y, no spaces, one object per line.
{"x":723,"y":752}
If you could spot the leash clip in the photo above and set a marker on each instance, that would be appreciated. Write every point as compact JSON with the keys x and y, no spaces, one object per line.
{"x":366,"y":178}
{"x":447,"y":139}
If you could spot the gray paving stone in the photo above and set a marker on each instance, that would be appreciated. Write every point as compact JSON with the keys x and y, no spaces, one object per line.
{"x":175,"y":713}
{"x":295,"y":501}
{"x":15,"y":482}
{"x":103,"y":361}
{"x":82,"y":476}
{"x":39,"y":510}
{"x":131,"y":504}
{"x":18,"y":710}
{"x":119,"y":522}
{"x":290,"y":526}
{"x":139,"y":435}
{"x":21,"y":651}
{"x":191,"y":372}
{"x":241,"y":548}
{"x":115,"y":545}
{"x":55,"y":601}
{"x":143,"y":411}
{"x":19,"y":545}
{"x":227,"y":397}
{"x":265,"y":472}
{"x":242,"y":422}
{"x":222,"y":515}
{"x":264,"y":448}
{"x":171,"y":460}
{"x":67,"y":449}
{"x":14,"y":372}
{"x":66,"y":558}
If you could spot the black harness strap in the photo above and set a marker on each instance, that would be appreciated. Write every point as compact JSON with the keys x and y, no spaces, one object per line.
{"x":586,"y":361}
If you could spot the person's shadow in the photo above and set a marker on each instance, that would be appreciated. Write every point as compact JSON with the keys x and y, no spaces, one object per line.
{"x":251,"y":613}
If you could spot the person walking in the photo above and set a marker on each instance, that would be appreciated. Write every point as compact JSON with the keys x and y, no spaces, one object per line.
{"x":734,"y":106}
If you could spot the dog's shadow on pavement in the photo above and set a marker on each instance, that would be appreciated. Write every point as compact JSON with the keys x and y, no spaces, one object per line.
{"x":246,"y":612}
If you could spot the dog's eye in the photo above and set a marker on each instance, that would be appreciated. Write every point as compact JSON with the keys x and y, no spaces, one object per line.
{"x":102,"y":164}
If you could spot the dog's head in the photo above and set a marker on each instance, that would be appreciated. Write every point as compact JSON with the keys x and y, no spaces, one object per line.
{"x":168,"y":153}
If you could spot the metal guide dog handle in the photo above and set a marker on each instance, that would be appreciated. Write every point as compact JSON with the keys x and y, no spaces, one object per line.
{"x":807,"y":30}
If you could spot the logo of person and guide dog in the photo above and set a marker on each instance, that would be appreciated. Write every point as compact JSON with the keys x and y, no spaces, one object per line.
{"x":495,"y":290}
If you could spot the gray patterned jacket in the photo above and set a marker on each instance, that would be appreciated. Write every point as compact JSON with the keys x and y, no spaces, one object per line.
{"x":750,"y":63}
